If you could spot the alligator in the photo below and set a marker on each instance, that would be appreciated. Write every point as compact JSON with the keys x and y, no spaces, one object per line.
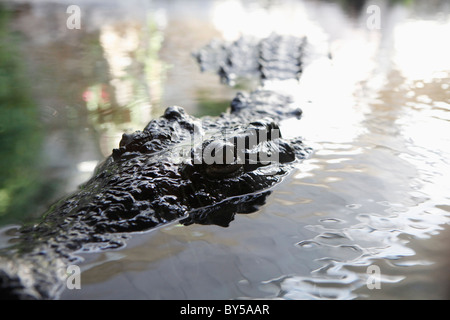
{"x":178,"y":169}
{"x":276,"y":57}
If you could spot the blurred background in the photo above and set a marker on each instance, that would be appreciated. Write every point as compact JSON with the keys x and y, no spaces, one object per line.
{"x":376,"y":104}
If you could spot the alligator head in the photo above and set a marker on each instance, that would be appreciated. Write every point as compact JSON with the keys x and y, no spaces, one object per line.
{"x":179,"y":164}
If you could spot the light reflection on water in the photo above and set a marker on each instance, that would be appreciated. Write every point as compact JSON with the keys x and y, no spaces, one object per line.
{"x":375,"y":192}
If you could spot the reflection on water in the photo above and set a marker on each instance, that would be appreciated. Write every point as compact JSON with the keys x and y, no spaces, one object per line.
{"x":136,"y":75}
{"x":21,"y":182}
{"x":376,"y":109}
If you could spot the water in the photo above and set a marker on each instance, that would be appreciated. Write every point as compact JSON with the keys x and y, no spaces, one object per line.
{"x":372,"y":198}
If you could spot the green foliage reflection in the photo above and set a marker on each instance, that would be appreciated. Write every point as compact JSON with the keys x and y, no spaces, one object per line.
{"x":20,"y":135}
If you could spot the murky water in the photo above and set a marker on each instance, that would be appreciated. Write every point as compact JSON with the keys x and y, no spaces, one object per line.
{"x":366,"y":217}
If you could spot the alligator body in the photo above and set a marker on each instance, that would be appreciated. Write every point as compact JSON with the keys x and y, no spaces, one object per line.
{"x":178,"y":168}
{"x":273,"y":58}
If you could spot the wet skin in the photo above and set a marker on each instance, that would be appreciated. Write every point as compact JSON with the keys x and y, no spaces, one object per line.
{"x":177,"y":168}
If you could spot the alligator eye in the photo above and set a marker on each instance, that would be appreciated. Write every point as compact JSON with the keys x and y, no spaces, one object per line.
{"x":223,"y":170}
{"x":219,"y":159}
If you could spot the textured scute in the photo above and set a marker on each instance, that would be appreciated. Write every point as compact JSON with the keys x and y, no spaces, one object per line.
{"x":277,"y":57}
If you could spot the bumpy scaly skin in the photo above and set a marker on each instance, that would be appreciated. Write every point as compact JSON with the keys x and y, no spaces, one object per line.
{"x":273,"y":58}
{"x":156,"y":176}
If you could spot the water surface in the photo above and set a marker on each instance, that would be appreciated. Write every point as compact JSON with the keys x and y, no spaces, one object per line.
{"x":374,"y":195}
